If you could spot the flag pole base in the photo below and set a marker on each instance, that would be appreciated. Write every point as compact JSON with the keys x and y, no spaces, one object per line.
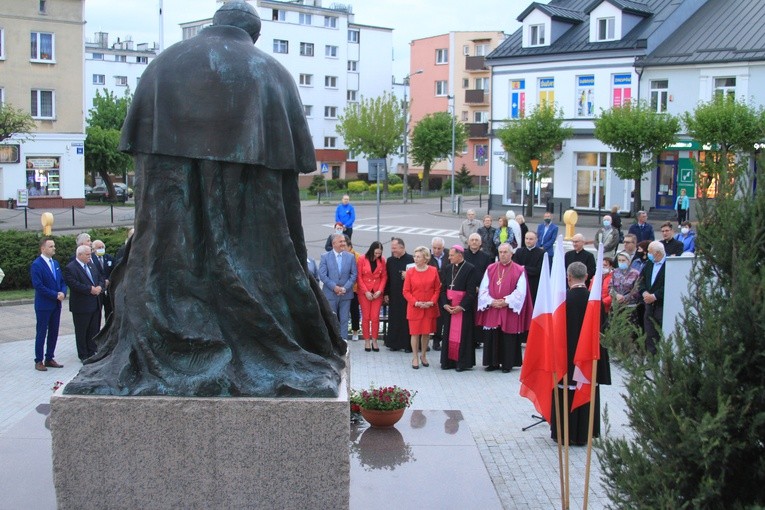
{"x":539,"y":420}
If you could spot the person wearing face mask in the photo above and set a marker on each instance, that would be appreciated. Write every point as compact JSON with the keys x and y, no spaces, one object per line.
{"x":688,"y":237}
{"x":651,"y":288}
{"x":608,"y":267}
{"x":623,"y":287}
{"x":639,"y":260}
{"x":339,"y":228}
{"x":609,"y":236}
{"x":104,"y":263}
{"x":547,"y":233}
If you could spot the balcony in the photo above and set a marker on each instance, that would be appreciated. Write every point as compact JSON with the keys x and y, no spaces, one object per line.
{"x":475,"y":64}
{"x":478,"y":130}
{"x":477,"y":96}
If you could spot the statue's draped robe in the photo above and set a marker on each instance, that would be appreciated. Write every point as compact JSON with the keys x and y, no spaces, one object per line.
{"x":213,"y":297}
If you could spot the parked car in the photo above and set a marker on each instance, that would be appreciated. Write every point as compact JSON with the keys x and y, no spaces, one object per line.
{"x":100,"y":194}
{"x":125,"y":188}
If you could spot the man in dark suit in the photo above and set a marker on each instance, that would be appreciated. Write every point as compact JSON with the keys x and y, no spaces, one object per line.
{"x":338,"y":272}
{"x":642,"y":230}
{"x":530,"y":256}
{"x":440,"y":260}
{"x":651,"y":287}
{"x":579,"y":254}
{"x":672,"y":247}
{"x":86,"y":285}
{"x":50,"y":292}
{"x":547,"y":233}
{"x":104,"y":263}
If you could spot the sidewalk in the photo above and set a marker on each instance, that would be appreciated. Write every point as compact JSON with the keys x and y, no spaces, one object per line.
{"x":522,"y":465}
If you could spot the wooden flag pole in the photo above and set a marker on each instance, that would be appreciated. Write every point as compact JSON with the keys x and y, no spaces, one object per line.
{"x":593,"y":382}
{"x":565,"y":433}
{"x":556,"y":403}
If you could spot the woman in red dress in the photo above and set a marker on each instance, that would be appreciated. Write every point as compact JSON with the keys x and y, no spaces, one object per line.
{"x":422,"y":287}
{"x":371,"y":280}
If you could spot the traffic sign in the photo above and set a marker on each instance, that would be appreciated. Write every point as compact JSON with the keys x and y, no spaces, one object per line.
{"x":324,"y":168}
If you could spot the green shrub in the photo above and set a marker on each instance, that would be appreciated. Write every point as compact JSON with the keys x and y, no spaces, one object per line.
{"x":357,"y":186}
{"x":447,"y":186}
{"x":19,"y":249}
{"x":394,"y":179}
{"x":396,"y":188}
{"x":317,"y":185}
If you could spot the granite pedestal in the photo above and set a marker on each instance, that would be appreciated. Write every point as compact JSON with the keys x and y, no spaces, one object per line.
{"x":175,"y":452}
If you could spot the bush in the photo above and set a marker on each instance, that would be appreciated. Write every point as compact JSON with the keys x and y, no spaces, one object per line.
{"x":447,"y":186}
{"x":395,"y":179}
{"x":19,"y":249}
{"x":435,"y":183}
{"x":413,"y":181}
{"x":357,"y":186}
{"x":396,"y":188}
{"x":317,"y":185}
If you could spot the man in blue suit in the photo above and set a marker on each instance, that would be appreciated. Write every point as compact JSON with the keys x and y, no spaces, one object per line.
{"x":547,"y":233}
{"x":50,"y":291}
{"x":338,"y":272}
{"x":87,"y":285}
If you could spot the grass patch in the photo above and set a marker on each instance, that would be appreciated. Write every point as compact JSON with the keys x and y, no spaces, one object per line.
{"x":13,"y":295}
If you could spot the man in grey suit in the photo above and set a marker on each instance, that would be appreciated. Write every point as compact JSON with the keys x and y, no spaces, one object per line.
{"x":338,"y":272}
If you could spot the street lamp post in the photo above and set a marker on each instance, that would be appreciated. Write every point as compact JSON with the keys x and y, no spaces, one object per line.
{"x":406,"y":130}
{"x":451,"y":106}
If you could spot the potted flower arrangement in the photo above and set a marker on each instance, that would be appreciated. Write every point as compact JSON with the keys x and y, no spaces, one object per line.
{"x":381,"y":406}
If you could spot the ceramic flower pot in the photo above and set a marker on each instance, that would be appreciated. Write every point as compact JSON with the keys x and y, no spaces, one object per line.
{"x":382,"y":419}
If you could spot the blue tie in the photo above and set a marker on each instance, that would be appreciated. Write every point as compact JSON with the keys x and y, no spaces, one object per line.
{"x":339,"y":262}
{"x":87,"y":270}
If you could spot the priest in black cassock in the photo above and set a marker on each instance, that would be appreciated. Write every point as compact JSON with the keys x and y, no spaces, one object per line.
{"x":398,"y":327}
{"x":480,"y":260}
{"x":458,"y":299}
{"x":530,"y":256}
{"x":579,"y":254}
{"x":576,"y":306}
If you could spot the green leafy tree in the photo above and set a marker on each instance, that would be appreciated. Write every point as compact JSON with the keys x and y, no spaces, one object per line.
{"x":730,"y":129}
{"x":432,"y":141}
{"x":638,"y":134}
{"x":373,"y":127}
{"x":102,"y":152}
{"x":533,"y":137}
{"x":14,"y":121}
{"x":463,"y":178}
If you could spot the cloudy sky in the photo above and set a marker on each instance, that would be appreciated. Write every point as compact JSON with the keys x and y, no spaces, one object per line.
{"x":410,"y":19}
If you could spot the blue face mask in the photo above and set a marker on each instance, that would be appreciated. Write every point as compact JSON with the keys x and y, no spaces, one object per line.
{"x":606,"y":223}
{"x":623,"y":265}
{"x":650,"y":257}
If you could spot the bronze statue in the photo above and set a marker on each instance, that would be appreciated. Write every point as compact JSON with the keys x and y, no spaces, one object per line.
{"x":213,"y":297}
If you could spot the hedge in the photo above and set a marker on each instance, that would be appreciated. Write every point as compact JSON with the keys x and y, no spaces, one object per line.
{"x":358,"y":186}
{"x":19,"y":249}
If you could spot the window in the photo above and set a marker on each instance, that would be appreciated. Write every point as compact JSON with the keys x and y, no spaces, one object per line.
{"x":353,"y":36}
{"x":606,"y":29}
{"x":482,"y":83}
{"x":480,"y":117}
{"x":725,"y":87}
{"x":281,"y":46}
{"x":353,"y":65}
{"x":142,"y":60}
{"x":465,"y":83}
{"x":330,"y":112}
{"x":41,"y":47}
{"x":441,"y":87}
{"x":659,"y":95}
{"x":304,"y":18}
{"x":99,"y":79}
{"x":330,"y":142}
{"x":330,"y":82}
{"x":98,"y":56}
{"x":306,"y":49}
{"x":120,"y":58}
{"x":481,"y":50}
{"x":442,"y":56}
{"x":464,"y":116}
{"x":352,"y":95}
{"x":306,"y":80}
{"x":466,"y":50}
{"x":43,"y":175}
{"x":585,"y":96}
{"x":308,"y":110}
{"x":330,"y":51}
{"x":517,"y":99}
{"x":42,"y":104}
{"x":547,"y":91}
{"x":536,"y":35}
{"x":2,"y":97}
{"x":43,"y":7}
{"x":278,"y":15}
{"x":2,"y":43}
{"x":120,"y":81}
{"x":621,"y":89}
{"x":330,"y":21}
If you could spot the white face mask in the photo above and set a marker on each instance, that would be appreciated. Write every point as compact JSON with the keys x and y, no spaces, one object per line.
{"x":685,"y":230}
{"x":100,"y":252}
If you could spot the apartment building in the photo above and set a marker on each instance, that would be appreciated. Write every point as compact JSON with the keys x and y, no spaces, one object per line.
{"x":116,"y":67}
{"x":455,"y":78}
{"x":41,"y":72}
{"x":335,"y":62}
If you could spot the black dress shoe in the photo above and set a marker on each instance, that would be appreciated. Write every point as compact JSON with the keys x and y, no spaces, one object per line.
{"x":491,"y":368}
{"x":436,"y":346}
{"x":408,"y":350}
{"x":458,"y":369}
{"x":506,"y":370}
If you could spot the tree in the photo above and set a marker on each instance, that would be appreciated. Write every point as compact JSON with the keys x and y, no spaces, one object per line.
{"x":102,"y":152}
{"x":534,"y":137}
{"x":730,"y":129}
{"x":14,"y":121}
{"x":373,"y":127}
{"x":432,"y":141}
{"x":638,"y":134}
{"x":463,"y":177}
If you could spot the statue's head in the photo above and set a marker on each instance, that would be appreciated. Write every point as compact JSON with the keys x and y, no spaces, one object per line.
{"x":240,"y":14}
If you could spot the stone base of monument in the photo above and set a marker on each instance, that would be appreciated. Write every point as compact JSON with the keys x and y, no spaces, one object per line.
{"x":176,"y":452}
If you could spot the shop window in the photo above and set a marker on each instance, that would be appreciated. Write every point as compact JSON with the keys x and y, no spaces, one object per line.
{"x":43,"y":176}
